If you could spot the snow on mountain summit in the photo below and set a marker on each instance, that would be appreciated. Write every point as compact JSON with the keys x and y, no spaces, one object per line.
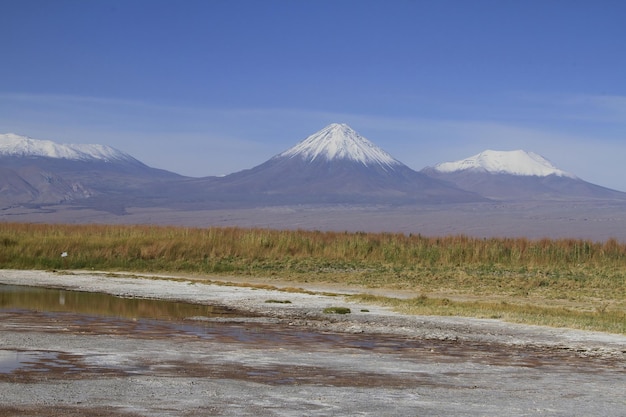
{"x":517,"y":162}
{"x":17,"y":145}
{"x":340,"y":141}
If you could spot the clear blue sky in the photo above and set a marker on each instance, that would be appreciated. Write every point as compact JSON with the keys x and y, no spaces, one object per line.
{"x":215,"y":86}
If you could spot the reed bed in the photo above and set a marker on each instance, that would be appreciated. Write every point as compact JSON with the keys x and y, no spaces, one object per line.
{"x":592,"y":273}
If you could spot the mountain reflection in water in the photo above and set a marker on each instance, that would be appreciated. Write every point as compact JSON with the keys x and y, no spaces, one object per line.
{"x":57,"y":300}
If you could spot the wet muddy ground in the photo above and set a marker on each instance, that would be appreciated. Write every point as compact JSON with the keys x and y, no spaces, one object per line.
{"x":245,"y":357}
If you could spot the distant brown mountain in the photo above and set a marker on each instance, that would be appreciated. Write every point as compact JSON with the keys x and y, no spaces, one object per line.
{"x":34,"y":172}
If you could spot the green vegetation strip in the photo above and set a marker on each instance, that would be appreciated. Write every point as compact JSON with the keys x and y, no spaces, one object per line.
{"x":337,"y":310}
{"x":601,"y":320}
{"x":565,"y":282}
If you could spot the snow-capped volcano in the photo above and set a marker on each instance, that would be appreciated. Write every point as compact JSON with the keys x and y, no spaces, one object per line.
{"x":36,"y":171}
{"x":517,"y":175}
{"x":22,"y":146}
{"x":336,"y":165}
{"x":517,"y":162}
{"x":339,"y":141}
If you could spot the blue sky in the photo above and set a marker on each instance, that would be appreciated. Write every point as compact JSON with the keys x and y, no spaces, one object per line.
{"x":215,"y":86}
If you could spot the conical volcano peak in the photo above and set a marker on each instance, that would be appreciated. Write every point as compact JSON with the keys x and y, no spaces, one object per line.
{"x":340,"y":142}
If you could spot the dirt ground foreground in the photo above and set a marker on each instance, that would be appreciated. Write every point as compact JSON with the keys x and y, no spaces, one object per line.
{"x":292,"y":359}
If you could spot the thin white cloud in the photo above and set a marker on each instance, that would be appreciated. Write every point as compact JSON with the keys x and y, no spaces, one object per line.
{"x":576,"y":107}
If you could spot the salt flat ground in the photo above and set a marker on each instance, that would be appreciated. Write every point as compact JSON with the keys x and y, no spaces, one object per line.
{"x":294,"y":360}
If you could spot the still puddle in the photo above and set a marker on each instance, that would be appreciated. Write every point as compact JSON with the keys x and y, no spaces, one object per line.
{"x":56,"y":300}
{"x":93,"y":313}
{"x":40,"y":361}
{"x":11,"y":360}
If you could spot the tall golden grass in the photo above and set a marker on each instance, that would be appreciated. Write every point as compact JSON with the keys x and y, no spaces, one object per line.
{"x":563,"y":269}
{"x":112,"y":244}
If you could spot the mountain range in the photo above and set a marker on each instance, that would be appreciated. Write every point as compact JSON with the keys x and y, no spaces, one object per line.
{"x":333,"y":166}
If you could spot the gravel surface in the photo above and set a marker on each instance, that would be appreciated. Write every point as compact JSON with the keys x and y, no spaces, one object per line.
{"x":291,"y":359}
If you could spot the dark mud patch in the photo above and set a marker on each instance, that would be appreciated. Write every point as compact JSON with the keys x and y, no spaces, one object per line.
{"x":63,"y":411}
